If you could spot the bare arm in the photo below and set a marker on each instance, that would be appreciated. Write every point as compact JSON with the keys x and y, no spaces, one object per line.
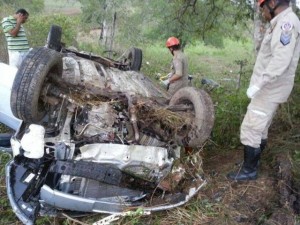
{"x":20,"y":19}
{"x":14,"y":32}
{"x":174,"y":78}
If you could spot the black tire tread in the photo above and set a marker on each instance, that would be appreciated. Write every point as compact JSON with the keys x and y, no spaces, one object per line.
{"x":204,"y":113}
{"x":136,"y":55}
{"x":29,"y":81}
{"x":54,"y":38}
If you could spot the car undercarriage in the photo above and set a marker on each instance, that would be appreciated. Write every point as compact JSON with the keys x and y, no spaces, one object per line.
{"x":99,"y":136}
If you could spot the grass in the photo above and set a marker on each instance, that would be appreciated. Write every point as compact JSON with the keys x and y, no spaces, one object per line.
{"x":6,"y":214}
{"x":217,"y":64}
{"x":68,"y":7}
{"x":61,"y":4}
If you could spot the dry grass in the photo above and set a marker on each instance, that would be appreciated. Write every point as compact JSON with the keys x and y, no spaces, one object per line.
{"x":150,"y":114}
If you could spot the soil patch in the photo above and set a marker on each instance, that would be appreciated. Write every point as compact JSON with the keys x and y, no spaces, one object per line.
{"x":272,"y":199}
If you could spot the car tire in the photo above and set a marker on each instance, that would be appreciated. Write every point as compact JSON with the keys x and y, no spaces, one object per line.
{"x":203,"y":111}
{"x":134,"y":58}
{"x":37,"y":67}
{"x":54,"y":38}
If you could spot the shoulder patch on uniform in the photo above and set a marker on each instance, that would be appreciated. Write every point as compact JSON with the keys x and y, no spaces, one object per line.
{"x":286,"y":33}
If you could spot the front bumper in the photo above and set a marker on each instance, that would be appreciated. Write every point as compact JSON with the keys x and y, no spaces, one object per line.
{"x":25,"y":211}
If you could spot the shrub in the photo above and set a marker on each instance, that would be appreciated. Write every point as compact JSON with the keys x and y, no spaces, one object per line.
{"x":38,"y":27}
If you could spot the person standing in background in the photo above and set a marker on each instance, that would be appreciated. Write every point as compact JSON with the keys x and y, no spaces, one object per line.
{"x":17,"y":42}
{"x":178,"y":77}
{"x":271,"y":82}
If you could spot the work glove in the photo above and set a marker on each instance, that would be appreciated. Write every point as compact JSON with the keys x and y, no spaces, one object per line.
{"x":252,"y":91}
{"x":165,"y":83}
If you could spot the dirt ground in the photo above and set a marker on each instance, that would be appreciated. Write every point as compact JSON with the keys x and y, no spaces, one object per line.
{"x":272,"y":199}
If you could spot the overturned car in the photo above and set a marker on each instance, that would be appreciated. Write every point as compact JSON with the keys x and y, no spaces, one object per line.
{"x":96,"y":135}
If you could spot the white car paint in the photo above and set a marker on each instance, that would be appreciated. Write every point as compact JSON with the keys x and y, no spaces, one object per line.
{"x":7,"y":76}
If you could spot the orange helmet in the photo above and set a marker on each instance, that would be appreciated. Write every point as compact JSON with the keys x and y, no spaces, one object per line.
{"x":260,"y":2}
{"x":172,"y":41}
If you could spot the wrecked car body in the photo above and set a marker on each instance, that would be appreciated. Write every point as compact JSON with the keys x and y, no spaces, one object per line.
{"x":101,"y":137}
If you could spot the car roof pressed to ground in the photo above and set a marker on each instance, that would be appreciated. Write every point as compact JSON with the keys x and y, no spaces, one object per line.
{"x":7,"y":78}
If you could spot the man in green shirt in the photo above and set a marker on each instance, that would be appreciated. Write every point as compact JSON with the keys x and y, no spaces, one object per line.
{"x":17,"y":43}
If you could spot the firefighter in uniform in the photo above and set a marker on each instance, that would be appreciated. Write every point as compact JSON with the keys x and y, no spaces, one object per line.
{"x":271,"y":82}
{"x":178,"y":77}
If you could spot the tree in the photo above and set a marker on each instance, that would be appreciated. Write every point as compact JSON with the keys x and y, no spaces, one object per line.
{"x":143,"y":20}
{"x":102,"y":14}
{"x":208,"y":20}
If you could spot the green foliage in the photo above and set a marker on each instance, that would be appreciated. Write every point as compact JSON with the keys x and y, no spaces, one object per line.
{"x":4,"y":128}
{"x":94,"y":12}
{"x":144,"y":21}
{"x":6,"y":10}
{"x":44,"y":220}
{"x":192,"y":20}
{"x":134,"y":217}
{"x":156,"y":60}
{"x":57,"y":5}
{"x":38,"y":27}
{"x":214,"y":40}
{"x":91,"y":48}
{"x":6,"y":214}
{"x":230,"y":108}
{"x":206,"y":206}
{"x":32,"y":6}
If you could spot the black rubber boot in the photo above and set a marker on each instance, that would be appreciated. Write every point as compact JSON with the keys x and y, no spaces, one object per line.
{"x":249,"y":167}
{"x":263,"y":145}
